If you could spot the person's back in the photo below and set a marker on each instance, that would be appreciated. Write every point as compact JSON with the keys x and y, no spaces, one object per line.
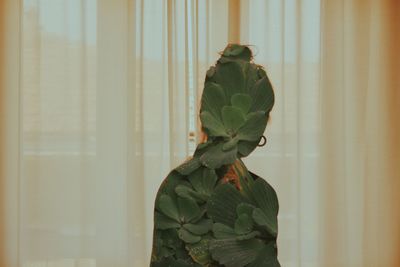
{"x":211,"y":211}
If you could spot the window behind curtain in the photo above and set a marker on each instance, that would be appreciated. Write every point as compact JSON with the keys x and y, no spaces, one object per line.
{"x":109,"y":102}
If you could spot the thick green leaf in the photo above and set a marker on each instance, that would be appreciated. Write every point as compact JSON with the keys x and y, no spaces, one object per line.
{"x":261,"y":72}
{"x":170,"y":238}
{"x":231,"y":144}
{"x":243,"y":224}
{"x":233,"y":50}
{"x":195,"y":179}
{"x":222,"y":204}
{"x":181,"y":254}
{"x":171,"y":262}
{"x":157,"y":245}
{"x":203,"y":181}
{"x":251,"y":74}
{"x":265,"y":196}
{"x":248,"y":236}
{"x":185,"y":191}
{"x":215,"y":157}
{"x":265,"y":221}
{"x":244,"y":208}
{"x":213,"y":125}
{"x":262,"y":95}
{"x":242,"y":101}
{"x":267,"y":256}
{"x":200,"y":228}
{"x":200,"y":252}
{"x":168,"y":186}
{"x":231,"y":77}
{"x":201,"y":215}
{"x":224,"y":60}
{"x":246,"y":54}
{"x":245,"y":181}
{"x":167,"y":243}
{"x":213,"y":99}
{"x":233,"y":118}
{"x":237,"y":51}
{"x":209,"y":180}
{"x":162,"y":222}
{"x":166,"y":252}
{"x":189,"y":166}
{"x":254,"y":127}
{"x":234,"y":253}
{"x":222,"y":231}
{"x":168,"y":207}
{"x":267,"y":201}
{"x":246,"y":147}
{"x":210,"y":72}
{"x":188,"y":237}
{"x":188,"y":209}
{"x":201,"y":146}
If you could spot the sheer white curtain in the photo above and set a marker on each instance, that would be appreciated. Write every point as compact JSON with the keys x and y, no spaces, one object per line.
{"x":98,"y":102}
{"x":360,"y":161}
{"x":108,"y":107}
{"x":286,"y":39}
{"x":332,"y":154}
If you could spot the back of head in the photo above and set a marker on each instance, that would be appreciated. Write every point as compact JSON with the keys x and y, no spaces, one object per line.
{"x":236,"y":103}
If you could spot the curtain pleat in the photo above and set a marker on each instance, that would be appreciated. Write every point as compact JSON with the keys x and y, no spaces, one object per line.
{"x":285,"y":37}
{"x":109,"y":100}
{"x":358,"y":170}
{"x":9,"y":132}
{"x":393,"y":109}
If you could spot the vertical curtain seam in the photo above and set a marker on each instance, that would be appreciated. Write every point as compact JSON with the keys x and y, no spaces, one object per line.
{"x":195,"y":68}
{"x":39,"y":70}
{"x":129,"y":128}
{"x":208,"y":31}
{"x":141,"y":97}
{"x":20,"y":110}
{"x":298,"y":117}
{"x":343,"y":143}
{"x":170,"y":78}
{"x":187,"y":82}
{"x":196,"y":80}
{"x":283,"y":89}
{"x":20,"y":132}
{"x":234,"y":21}
{"x":83,"y":104}
{"x":364,"y":126}
{"x":283,"y":67}
{"x":320,"y":90}
{"x":199,"y":67}
{"x":132,"y":108}
{"x":83,"y":78}
{"x":365,"y":130}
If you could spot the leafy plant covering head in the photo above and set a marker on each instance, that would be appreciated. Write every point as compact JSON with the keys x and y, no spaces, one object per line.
{"x":236,"y":102}
{"x":211,"y":211}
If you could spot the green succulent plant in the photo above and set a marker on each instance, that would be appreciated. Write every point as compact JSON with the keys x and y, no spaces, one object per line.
{"x":211,"y":211}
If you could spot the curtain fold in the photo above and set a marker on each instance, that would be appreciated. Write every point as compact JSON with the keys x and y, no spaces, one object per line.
{"x":99,"y":100}
{"x":331,"y":64}
{"x":109,"y":93}
{"x":360,"y":163}
{"x":9,"y":131}
{"x":393,"y":109}
{"x":285,"y":36}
